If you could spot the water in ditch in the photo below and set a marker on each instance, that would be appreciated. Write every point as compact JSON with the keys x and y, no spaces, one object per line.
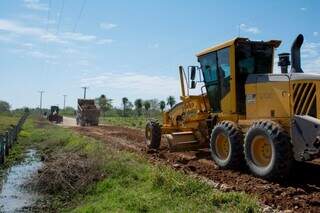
{"x":14,"y":197}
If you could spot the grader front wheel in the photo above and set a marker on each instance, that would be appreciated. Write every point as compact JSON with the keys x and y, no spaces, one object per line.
{"x":226,"y":145}
{"x":268,"y":151}
{"x":153,"y":135}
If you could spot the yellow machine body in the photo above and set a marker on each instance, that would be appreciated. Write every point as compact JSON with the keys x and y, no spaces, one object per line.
{"x":276,"y":97}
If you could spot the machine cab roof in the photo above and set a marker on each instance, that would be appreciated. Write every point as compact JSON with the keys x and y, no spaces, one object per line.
{"x":225,"y":68}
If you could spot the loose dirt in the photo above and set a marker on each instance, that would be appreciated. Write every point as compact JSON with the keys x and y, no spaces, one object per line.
{"x":68,"y":122}
{"x":300,"y":192}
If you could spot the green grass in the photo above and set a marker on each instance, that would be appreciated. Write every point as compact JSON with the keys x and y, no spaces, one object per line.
{"x":6,"y":120}
{"x":17,"y":152}
{"x":131,"y":121}
{"x":131,"y":183}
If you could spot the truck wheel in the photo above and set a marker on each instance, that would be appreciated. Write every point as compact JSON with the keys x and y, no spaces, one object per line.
{"x":268,"y":151}
{"x":226,"y":145}
{"x":153,"y":134}
{"x":82,"y":123}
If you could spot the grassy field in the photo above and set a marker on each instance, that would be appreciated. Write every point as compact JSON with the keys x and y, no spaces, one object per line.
{"x":118,"y":181}
{"x":6,"y":120}
{"x":131,"y":121}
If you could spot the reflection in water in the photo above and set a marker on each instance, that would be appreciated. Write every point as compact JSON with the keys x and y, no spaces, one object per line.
{"x":13,"y":196}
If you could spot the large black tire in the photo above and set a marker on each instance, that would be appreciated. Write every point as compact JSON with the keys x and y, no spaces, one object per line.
{"x":279,"y":153}
{"x":82,"y":123}
{"x":233,"y":138}
{"x":153,"y":135}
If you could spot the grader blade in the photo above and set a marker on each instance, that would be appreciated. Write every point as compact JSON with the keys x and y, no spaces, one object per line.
{"x":182,"y":141}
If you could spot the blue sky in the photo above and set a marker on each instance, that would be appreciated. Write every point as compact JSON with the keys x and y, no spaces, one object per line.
{"x":131,"y":48}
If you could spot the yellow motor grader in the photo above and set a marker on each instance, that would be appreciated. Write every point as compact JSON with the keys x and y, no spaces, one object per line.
{"x":247,"y":114}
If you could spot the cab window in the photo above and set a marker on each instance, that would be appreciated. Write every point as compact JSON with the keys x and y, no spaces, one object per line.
{"x":216,"y":72}
{"x":224,"y":71}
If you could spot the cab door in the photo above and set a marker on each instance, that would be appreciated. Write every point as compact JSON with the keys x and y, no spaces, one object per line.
{"x":216,"y":72}
{"x":209,"y":67}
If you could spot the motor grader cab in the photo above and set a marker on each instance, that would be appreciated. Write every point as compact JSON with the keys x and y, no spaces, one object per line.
{"x":248,"y":114}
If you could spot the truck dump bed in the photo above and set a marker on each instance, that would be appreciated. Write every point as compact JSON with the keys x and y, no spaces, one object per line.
{"x":88,"y":113}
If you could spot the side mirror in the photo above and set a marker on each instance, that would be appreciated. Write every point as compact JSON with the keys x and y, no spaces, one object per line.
{"x":193,"y":84}
{"x":193,"y":73}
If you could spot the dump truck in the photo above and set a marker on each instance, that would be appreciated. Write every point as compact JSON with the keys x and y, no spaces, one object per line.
{"x":246,"y":114}
{"x":87,"y":113}
{"x":54,"y":115}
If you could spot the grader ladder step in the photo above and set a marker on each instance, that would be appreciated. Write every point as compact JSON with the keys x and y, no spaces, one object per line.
{"x":182,"y":141}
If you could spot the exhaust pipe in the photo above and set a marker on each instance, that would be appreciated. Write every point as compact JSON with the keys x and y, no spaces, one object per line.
{"x":295,"y":55}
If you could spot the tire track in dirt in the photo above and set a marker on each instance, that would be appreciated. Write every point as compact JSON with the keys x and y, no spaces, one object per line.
{"x":300,"y":192}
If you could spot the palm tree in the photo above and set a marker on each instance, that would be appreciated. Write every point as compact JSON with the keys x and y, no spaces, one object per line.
{"x":171,"y":101}
{"x":125,"y":102}
{"x":104,"y":103}
{"x":138,"y":106}
{"x":162,"y":105}
{"x":146,"y":105}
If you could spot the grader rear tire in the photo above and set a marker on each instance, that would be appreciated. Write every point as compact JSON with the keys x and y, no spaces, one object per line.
{"x":226,"y":145}
{"x":153,"y":135}
{"x":268,"y":151}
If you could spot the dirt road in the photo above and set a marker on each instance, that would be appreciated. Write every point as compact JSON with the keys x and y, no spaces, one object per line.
{"x":300,"y":192}
{"x":68,"y":122}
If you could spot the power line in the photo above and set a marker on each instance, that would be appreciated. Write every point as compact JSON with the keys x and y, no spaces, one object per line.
{"x":48,"y":17}
{"x":79,"y":16}
{"x":60,"y":15}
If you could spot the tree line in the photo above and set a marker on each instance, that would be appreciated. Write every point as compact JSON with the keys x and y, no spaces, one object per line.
{"x":138,"y":107}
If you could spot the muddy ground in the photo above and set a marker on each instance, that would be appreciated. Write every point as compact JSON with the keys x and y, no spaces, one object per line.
{"x":300,"y":192}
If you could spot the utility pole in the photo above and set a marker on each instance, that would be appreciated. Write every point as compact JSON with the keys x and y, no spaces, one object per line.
{"x":64,"y":101}
{"x":41,"y":92}
{"x":84,"y":92}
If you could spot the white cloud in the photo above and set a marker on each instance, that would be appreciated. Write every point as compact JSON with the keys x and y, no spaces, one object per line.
{"x":35,"y":5}
{"x":303,"y":9}
{"x":315,"y":33}
{"x":19,"y":29}
{"x":312,"y":66}
{"x":9,"y":26}
{"x":27,"y":45}
{"x":249,"y":29}
{"x":5,"y":38}
{"x":310,"y":53}
{"x":36,"y":18}
{"x":107,"y":26}
{"x":83,"y":62}
{"x":78,"y":37}
{"x":310,"y":49}
{"x":70,"y":51}
{"x":33,"y":53}
{"x":134,"y":85}
{"x":41,"y":55}
{"x":105,"y":41}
